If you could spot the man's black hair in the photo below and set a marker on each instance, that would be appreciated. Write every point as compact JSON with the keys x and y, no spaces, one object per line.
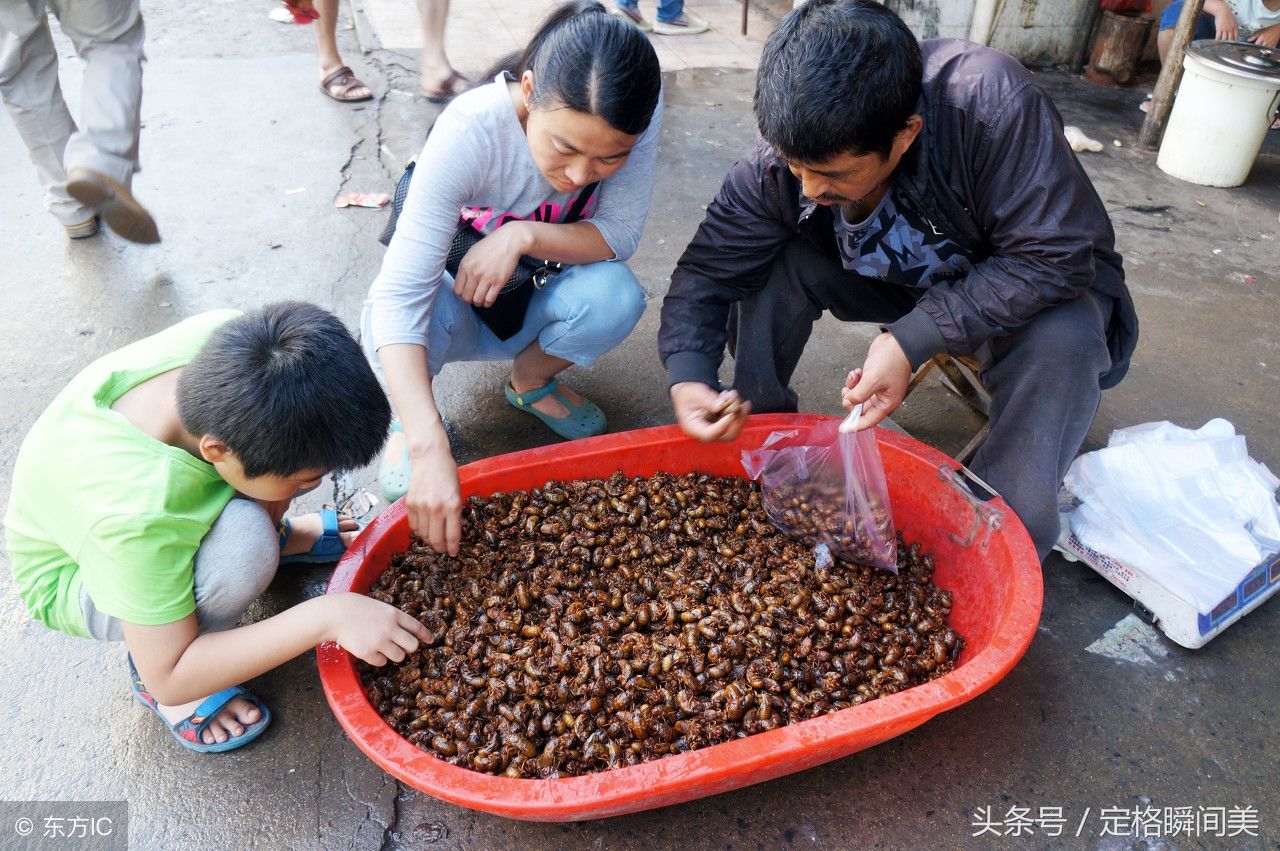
{"x":837,"y":77}
{"x":287,"y":389}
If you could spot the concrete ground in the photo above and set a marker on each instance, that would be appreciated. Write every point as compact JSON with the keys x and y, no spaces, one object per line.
{"x":243,"y":158}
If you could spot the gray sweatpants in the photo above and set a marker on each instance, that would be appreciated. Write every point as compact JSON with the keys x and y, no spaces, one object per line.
{"x":235,"y":563}
{"x":108,"y":36}
{"x":1043,"y":378}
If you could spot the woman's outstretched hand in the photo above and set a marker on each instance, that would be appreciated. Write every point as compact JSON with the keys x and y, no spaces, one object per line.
{"x":433,"y":503}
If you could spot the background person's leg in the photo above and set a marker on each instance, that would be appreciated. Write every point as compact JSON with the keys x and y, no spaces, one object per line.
{"x":768,"y":330}
{"x":1044,"y":389}
{"x":108,"y":36}
{"x":326,"y":28}
{"x":630,"y":9}
{"x":30,"y":90}
{"x":669,"y":10}
{"x":1206,"y":27}
{"x":672,"y":19}
{"x":436,"y":75}
{"x":102,"y":155}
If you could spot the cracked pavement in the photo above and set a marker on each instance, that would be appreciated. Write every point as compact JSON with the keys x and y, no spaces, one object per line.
{"x":242,"y":151}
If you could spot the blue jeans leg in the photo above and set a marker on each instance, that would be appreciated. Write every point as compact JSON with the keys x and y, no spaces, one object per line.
{"x":669,"y":10}
{"x":1206,"y":26}
{"x":587,"y":311}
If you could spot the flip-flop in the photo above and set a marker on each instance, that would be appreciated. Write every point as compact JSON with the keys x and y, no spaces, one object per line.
{"x":341,"y":81}
{"x":585,"y":420}
{"x":189,"y":729}
{"x":285,"y":15}
{"x":394,"y":478}
{"x":448,"y":91}
{"x":327,"y":548}
{"x":299,"y":12}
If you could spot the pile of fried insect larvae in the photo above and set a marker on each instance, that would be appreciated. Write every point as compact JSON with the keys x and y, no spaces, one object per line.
{"x":595,"y":624}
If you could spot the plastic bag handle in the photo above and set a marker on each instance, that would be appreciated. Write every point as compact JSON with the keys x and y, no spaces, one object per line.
{"x":850,"y":422}
{"x":986,"y":517}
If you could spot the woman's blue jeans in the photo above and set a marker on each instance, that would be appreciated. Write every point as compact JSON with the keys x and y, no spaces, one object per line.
{"x":579,"y":315}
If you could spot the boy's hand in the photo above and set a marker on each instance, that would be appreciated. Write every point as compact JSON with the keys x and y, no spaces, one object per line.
{"x":707,"y":415}
{"x":372,"y":630}
{"x":1268,"y":37}
{"x":433,"y":502}
{"x":880,"y":384}
{"x":1228,"y":29}
{"x":487,"y":267}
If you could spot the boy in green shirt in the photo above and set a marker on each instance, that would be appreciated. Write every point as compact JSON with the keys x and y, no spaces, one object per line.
{"x":148,"y":501}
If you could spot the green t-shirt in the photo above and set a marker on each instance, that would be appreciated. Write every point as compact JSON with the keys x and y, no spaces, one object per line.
{"x":99,"y":505}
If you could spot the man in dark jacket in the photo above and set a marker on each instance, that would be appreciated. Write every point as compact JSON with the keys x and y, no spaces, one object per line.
{"x":928,"y":188}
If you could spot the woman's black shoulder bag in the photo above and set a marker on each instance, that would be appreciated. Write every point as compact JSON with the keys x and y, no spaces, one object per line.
{"x":505,"y":317}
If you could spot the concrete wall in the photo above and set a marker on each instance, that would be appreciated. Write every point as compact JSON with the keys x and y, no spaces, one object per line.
{"x":1037,"y":32}
{"x":935,"y":18}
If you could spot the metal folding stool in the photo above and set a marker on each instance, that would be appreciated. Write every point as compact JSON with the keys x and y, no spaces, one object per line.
{"x":959,"y":374}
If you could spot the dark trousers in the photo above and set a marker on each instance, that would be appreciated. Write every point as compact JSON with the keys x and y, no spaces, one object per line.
{"x":1043,"y":377}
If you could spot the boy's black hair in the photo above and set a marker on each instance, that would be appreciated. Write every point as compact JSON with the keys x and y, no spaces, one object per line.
{"x":593,"y":62}
{"x":287,"y":389}
{"x":837,"y":77}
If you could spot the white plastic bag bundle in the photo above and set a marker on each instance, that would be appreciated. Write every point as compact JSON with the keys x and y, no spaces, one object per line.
{"x":1188,"y":507}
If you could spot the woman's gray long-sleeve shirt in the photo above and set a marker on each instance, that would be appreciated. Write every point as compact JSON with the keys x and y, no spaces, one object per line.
{"x":476,"y":164}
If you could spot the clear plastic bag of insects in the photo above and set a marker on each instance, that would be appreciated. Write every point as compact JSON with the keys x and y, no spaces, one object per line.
{"x":827,"y":487}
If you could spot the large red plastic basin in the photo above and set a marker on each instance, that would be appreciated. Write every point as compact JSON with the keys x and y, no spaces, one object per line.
{"x":995,"y":583}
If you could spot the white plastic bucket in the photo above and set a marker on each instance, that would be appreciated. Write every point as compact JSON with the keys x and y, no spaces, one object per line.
{"x":1217,"y":126}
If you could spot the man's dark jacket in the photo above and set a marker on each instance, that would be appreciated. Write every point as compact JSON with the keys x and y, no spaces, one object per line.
{"x":991,"y":169}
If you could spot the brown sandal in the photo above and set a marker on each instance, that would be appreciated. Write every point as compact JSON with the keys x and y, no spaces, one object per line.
{"x":448,"y":90}
{"x":339,"y":84}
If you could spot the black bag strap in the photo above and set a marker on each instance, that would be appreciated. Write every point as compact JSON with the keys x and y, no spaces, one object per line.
{"x":397,"y":204}
{"x":579,"y":205}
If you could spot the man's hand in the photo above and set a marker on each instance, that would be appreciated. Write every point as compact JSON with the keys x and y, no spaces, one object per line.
{"x":433,"y":502}
{"x":880,"y":384}
{"x":1267,"y":37}
{"x":487,"y":267}
{"x":706,"y":415}
{"x":371,"y":630}
{"x":1228,"y":29}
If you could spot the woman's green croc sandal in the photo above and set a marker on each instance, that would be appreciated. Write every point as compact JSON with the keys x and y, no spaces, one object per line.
{"x":585,"y":420}
{"x":393,"y":477}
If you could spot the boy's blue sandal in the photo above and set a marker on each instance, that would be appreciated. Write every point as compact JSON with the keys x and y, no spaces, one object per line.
{"x":189,"y":730}
{"x":394,"y":477}
{"x":327,"y":548}
{"x":585,"y":420}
